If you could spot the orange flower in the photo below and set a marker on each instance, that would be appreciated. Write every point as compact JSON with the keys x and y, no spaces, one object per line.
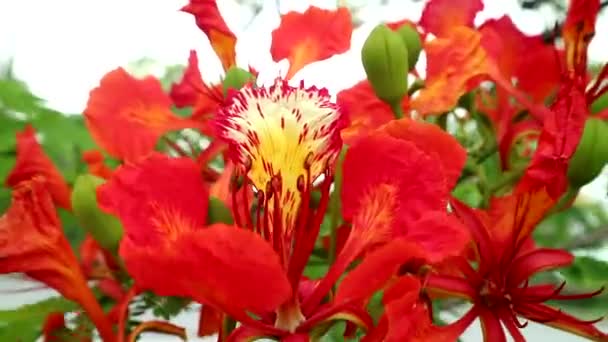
{"x":314,"y":35}
{"x":126,"y":116}
{"x":209,"y":20}
{"x":32,"y":242}
{"x":31,"y":162}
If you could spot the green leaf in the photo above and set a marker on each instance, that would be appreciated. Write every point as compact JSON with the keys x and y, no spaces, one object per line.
{"x":469,"y":193}
{"x":37,"y":310}
{"x":15,"y":96}
{"x":24,"y":324}
{"x":10,"y":125}
{"x":587,"y":272}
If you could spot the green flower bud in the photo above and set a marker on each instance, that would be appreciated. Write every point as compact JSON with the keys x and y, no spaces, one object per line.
{"x":105,"y":228}
{"x":591,"y":154}
{"x":384,"y":58}
{"x":413,"y":43}
{"x":236,"y":78}
{"x":217,"y":212}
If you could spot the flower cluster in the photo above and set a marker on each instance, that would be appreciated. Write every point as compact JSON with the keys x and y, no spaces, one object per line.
{"x":362,"y":187}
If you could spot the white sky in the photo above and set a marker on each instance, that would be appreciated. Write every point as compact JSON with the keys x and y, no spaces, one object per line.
{"x":61,"y":48}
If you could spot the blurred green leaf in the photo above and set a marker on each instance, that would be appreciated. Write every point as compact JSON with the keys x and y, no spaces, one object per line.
{"x":587,"y":272}
{"x":469,"y":193}
{"x":15,"y":96}
{"x":9,"y":125}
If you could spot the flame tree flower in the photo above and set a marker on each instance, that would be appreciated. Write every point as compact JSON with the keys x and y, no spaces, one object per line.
{"x":32,"y":242}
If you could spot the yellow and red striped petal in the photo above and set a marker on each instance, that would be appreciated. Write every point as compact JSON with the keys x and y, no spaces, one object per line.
{"x":126,"y":116}
{"x":31,"y":162}
{"x":281,"y":134}
{"x":209,"y":20}
{"x":314,"y":35}
{"x":577,"y":32}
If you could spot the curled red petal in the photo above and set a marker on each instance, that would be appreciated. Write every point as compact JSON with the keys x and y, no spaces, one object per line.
{"x":434,"y":141}
{"x":539,"y":260}
{"x":210,"y":321}
{"x":31,"y":162}
{"x":160,"y":327}
{"x":441,"y":16}
{"x":156,"y":199}
{"x":563,"y":321}
{"x":126,"y":116}
{"x":314,"y":35}
{"x":365,"y":110}
{"x":376,"y":269}
{"x":209,"y":20}
{"x":561,"y":133}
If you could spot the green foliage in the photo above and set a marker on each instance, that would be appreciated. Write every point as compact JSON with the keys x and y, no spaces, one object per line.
{"x":163,"y":307}
{"x":24,"y":323}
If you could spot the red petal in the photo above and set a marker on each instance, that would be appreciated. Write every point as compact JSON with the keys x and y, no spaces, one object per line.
{"x":157,"y":326}
{"x":577,"y":32}
{"x":518,"y":56}
{"x":126,"y":116}
{"x":440,"y":284}
{"x":31,"y":162}
{"x":514,"y":217}
{"x":365,"y":111}
{"x":564,"y":321}
{"x":453,"y":60}
{"x":539,"y":260}
{"x":441,"y":16}
{"x":54,"y":326}
{"x":398,"y":164}
{"x":186,"y":92}
{"x":210,"y":321}
{"x":491,"y":327}
{"x":209,"y":20}
{"x":156,"y":199}
{"x":95,"y":162}
{"x":192,"y":91}
{"x":376,"y":270}
{"x":434,"y":141}
{"x":562,"y":130}
{"x":440,"y":235}
{"x":314,"y":35}
{"x":232,"y":269}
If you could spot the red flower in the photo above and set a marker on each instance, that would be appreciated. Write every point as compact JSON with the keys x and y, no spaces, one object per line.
{"x":441,"y":16}
{"x":126,"y":116}
{"x":32,"y":242}
{"x":31,"y":162}
{"x":500,"y":286}
{"x":165,"y":226}
{"x":380,"y":205}
{"x":209,"y":20}
{"x":192,"y":91}
{"x":365,"y":110}
{"x":314,"y":35}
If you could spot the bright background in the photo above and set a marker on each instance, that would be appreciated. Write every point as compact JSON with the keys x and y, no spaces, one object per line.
{"x":61,"y":49}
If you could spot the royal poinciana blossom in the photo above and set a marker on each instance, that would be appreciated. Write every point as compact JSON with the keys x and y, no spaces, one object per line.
{"x":363,"y":185}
